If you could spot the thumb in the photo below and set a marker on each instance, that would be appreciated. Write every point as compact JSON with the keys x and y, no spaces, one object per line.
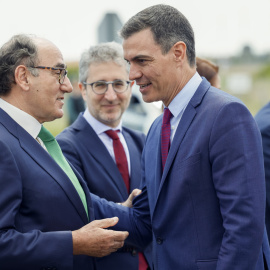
{"x":136,"y":192}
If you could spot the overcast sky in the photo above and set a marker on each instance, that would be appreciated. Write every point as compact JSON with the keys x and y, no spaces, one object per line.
{"x":221,"y":28}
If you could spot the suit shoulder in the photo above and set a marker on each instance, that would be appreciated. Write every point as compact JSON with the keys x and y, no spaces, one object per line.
{"x":222,"y":97}
{"x":66,"y":134}
{"x":134,"y":133}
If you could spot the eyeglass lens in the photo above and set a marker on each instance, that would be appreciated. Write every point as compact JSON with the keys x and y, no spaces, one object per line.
{"x":118,"y":86}
{"x":62,"y":76}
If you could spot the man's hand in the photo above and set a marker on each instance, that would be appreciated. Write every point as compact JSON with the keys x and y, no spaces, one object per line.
{"x":128,"y":203}
{"x":94,"y":240}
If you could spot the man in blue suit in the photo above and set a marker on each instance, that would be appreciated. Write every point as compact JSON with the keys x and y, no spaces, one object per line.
{"x":87,"y":146}
{"x":46,"y":212}
{"x":263,"y":120}
{"x":203,"y":176}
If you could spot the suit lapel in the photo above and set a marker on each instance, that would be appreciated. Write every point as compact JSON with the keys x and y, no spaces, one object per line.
{"x":135,"y":160}
{"x":186,"y":120}
{"x":44,"y":160}
{"x":101,"y":154}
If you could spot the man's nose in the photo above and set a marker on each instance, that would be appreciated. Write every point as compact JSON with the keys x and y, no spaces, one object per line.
{"x":66,"y":86}
{"x":110,"y":93}
{"x":134,"y":73}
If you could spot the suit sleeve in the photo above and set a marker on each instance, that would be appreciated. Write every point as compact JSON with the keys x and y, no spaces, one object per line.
{"x":135,"y":220}
{"x":238,"y":177}
{"x":28,"y":250}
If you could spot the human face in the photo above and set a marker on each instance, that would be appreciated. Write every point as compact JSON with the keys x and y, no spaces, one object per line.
{"x":46,"y":99}
{"x":154,"y":72}
{"x":109,"y":107}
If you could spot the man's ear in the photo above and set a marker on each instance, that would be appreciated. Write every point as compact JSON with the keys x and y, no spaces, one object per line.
{"x":83,"y":90}
{"x":179,"y":51}
{"x":22,"y":77}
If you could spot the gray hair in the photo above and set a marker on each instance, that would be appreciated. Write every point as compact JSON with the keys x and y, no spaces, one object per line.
{"x":102,"y":53}
{"x":168,"y":26}
{"x":19,"y":50}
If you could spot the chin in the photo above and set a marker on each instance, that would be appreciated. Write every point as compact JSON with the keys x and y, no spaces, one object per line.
{"x":148,"y":99}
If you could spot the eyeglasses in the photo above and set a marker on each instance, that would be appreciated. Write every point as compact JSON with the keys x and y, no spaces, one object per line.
{"x":100,"y":87}
{"x":62,"y":72}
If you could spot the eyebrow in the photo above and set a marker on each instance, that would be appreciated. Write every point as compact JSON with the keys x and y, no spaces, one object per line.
{"x":60,"y":65}
{"x":140,"y":56}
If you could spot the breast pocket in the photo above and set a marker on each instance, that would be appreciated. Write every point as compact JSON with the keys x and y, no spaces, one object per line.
{"x":190,"y":161}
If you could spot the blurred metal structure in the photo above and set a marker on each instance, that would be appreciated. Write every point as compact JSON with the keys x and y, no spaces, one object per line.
{"x":109,"y":27}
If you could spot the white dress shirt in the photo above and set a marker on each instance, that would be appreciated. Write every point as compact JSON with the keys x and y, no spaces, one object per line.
{"x":25,"y":120}
{"x":100,"y":129}
{"x":181,"y":100}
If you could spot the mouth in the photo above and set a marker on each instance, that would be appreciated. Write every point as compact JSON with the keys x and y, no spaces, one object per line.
{"x":61,"y":99}
{"x":143,"y":86}
{"x":110,"y":105}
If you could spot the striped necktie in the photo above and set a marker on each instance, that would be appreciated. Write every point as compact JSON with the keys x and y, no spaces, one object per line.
{"x":120,"y":156}
{"x":165,"y":136}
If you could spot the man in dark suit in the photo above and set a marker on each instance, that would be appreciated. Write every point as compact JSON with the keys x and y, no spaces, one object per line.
{"x":263,"y":120}
{"x":203,"y":176}
{"x":106,"y":89}
{"x":46,"y":212}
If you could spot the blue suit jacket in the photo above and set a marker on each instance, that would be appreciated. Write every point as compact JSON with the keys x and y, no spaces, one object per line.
{"x":207,"y":208}
{"x":263,"y":121}
{"x":83,"y":148}
{"x":39,"y":206}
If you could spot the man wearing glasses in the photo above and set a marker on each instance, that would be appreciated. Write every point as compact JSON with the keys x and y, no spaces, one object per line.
{"x":46,"y":213}
{"x":104,"y":152}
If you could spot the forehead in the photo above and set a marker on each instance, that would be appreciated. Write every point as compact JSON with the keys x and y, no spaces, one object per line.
{"x":140,"y":44}
{"x":48,"y":53}
{"x":105,"y":70}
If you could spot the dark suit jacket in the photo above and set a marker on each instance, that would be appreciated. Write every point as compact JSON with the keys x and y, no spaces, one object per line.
{"x":83,"y":148}
{"x":207,"y":208}
{"x":263,"y":120}
{"x":39,"y":206}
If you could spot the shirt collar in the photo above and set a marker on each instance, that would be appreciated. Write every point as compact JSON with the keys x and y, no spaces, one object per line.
{"x":97,"y":125}
{"x":184,"y":96}
{"x":25,"y":120}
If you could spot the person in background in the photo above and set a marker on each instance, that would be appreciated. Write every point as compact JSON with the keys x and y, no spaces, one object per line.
{"x":209,"y":70}
{"x":263,"y":120}
{"x":75,"y":103}
{"x":45,"y":206}
{"x":203,"y":191}
{"x":105,"y":153}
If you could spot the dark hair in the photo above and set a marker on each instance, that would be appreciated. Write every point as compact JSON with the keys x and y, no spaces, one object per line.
{"x":168,"y":26}
{"x":206,"y":68}
{"x":19,"y":50}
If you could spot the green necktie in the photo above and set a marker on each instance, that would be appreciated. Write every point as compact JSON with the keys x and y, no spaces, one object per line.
{"x":56,"y":153}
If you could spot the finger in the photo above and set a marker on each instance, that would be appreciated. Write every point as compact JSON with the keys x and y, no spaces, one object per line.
{"x":105,"y":223}
{"x":118,"y":244}
{"x":120,"y":236}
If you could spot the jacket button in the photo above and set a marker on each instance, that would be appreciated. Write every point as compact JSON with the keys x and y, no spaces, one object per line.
{"x":159,"y":240}
{"x":134,"y":252}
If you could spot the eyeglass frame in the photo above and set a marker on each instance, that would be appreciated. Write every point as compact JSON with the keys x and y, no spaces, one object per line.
{"x":107,"y":86}
{"x":53,"y":68}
